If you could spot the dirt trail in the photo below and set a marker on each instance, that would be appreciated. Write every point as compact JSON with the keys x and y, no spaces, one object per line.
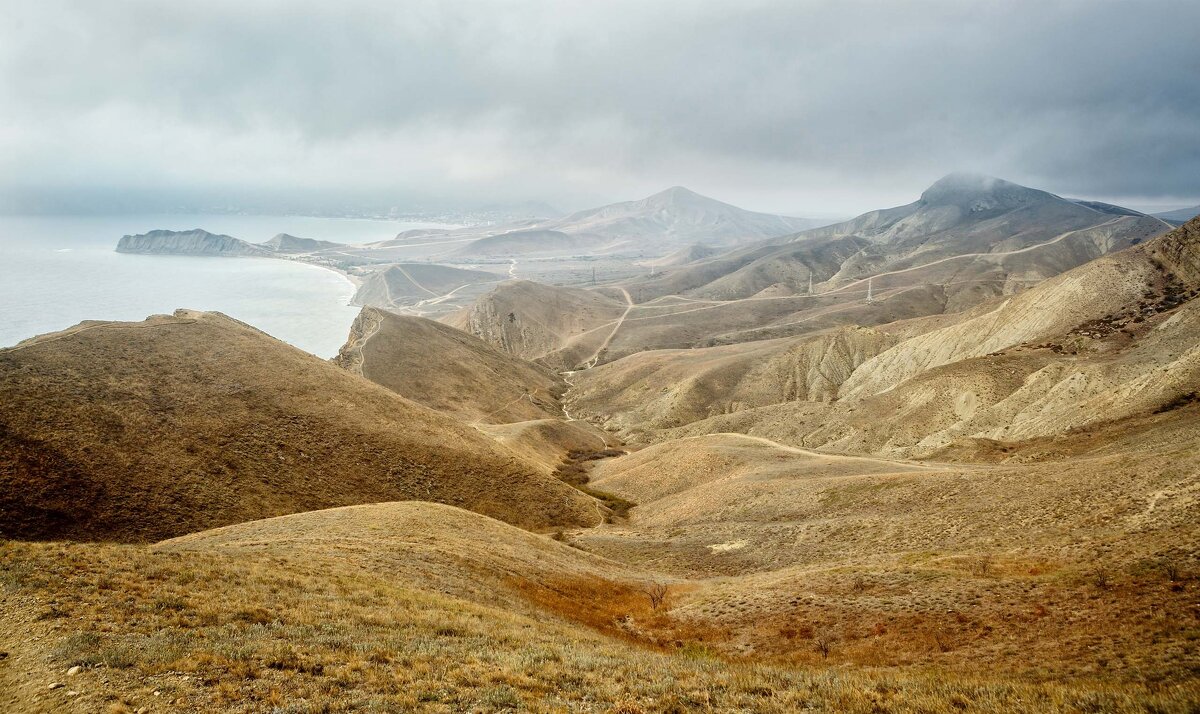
{"x":816,"y":454}
{"x":527,"y":396}
{"x":416,"y":308}
{"x":591,"y":362}
{"x":413,"y":281}
{"x":24,"y":682}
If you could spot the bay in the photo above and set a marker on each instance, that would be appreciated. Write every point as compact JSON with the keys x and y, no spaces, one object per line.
{"x":56,"y":271}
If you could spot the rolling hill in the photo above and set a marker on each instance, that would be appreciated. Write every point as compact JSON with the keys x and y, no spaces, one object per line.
{"x":683,"y":256}
{"x":556,"y":325}
{"x":429,"y":546}
{"x":405,"y":284}
{"x":667,"y":388}
{"x":408,"y":606}
{"x":449,"y":370}
{"x":139,"y":431}
{"x":1110,"y":340}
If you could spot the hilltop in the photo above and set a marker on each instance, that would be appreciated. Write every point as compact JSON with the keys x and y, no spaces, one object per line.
{"x":449,"y":370}
{"x":139,"y":431}
{"x":285,"y":243}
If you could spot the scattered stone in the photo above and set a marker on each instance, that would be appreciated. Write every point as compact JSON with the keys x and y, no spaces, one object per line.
{"x":74,"y":671}
{"x":55,"y":685}
{"x":72,"y":693}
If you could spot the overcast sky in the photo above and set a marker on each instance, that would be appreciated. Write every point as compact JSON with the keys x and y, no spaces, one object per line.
{"x":790,"y":106}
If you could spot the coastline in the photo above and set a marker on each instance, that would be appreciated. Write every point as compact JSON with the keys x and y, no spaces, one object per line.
{"x":355,"y":281}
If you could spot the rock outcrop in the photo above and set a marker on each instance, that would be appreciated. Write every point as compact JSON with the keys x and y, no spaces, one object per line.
{"x":193,"y":242}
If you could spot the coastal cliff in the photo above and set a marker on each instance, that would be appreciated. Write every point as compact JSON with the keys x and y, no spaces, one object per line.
{"x":193,"y":242}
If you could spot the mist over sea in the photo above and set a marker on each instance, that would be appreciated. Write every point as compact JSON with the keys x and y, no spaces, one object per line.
{"x":56,"y":271}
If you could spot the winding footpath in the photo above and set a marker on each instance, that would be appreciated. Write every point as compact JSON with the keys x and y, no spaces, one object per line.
{"x":617,"y":326}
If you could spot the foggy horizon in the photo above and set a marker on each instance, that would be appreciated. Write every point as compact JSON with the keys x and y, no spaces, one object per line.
{"x":815,"y":110}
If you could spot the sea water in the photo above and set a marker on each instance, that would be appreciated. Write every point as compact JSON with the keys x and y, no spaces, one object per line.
{"x":56,"y":271}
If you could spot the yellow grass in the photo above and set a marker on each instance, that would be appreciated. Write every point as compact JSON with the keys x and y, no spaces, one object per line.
{"x":210,"y":632}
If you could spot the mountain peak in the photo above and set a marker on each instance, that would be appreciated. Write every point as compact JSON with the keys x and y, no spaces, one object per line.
{"x":676,"y":194}
{"x":977,"y":192}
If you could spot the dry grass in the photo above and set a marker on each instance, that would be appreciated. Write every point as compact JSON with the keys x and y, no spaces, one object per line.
{"x":217,"y":633}
{"x":448,"y":370}
{"x":142,"y":431}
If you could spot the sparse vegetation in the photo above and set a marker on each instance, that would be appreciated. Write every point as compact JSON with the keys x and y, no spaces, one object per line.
{"x":355,"y":639}
{"x":824,"y":646}
{"x":982,"y":565}
{"x":656,"y":593}
{"x":574,"y":471}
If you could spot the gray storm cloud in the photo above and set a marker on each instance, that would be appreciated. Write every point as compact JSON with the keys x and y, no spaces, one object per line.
{"x":775,"y":105}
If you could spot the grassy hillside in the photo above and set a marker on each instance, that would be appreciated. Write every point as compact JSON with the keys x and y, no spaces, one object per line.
{"x":411,"y":283}
{"x":559,"y":326}
{"x":222,"y":623}
{"x":449,"y":370}
{"x":139,"y":431}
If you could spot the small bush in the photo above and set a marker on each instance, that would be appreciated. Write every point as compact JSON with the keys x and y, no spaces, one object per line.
{"x":657,"y":594}
{"x":504,"y":697}
{"x":81,"y":648}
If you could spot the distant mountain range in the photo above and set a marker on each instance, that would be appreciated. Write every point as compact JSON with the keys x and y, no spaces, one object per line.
{"x":1180,"y":215}
{"x":996,"y":222}
{"x":665,"y":222}
{"x":968,"y":239}
{"x":682,"y":217}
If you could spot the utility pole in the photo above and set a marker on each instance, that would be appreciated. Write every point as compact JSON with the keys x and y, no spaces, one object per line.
{"x":870,"y":293}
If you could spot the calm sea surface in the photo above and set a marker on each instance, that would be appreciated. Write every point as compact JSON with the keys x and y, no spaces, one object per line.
{"x":56,"y":271}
